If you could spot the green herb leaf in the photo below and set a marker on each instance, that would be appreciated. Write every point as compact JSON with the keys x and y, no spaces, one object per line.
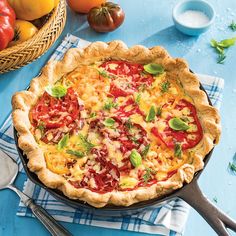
{"x":135,"y":140}
{"x":135,"y":158}
{"x":85,"y":143}
{"x":138,"y":98}
{"x":110,"y":104}
{"x":226,"y":43}
{"x":145,"y":150}
{"x":151,"y":115}
{"x":41,"y":127}
{"x":159,"y":111}
{"x":93,"y":114}
{"x":153,"y":68}
{"x":215,"y":200}
{"x":232,"y":26}
{"x":165,"y":86}
{"x":56,"y":91}
{"x":75,"y":153}
{"x":178,"y":150}
{"x":178,"y":124}
{"x":104,"y":73}
{"x":129,"y":124}
{"x":214,"y":43}
{"x":232,"y":167}
{"x":63,"y":142}
{"x":147,"y":176}
{"x":221,"y":58}
{"x":109,"y":122}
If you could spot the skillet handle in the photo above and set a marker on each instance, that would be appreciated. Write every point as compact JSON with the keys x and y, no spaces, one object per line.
{"x":217,"y":219}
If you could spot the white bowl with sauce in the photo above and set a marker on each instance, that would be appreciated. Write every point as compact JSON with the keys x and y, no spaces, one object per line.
{"x":193,"y":17}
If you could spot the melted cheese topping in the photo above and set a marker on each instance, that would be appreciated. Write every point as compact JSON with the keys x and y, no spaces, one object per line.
{"x":92,"y":86}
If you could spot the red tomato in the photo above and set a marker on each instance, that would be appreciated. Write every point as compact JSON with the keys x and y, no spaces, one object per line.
{"x":83,"y":6}
{"x":169,"y":136}
{"x":7,"y":21}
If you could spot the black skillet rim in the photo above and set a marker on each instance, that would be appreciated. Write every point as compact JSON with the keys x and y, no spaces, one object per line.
{"x":57,"y":194}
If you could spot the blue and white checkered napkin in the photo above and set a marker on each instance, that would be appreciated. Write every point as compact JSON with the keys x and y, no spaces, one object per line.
{"x":169,"y":219}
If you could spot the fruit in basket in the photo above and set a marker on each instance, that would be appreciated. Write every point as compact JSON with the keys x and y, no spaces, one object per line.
{"x":24,"y":30}
{"x":31,"y":9}
{"x":107,"y":17}
{"x":7,"y":21}
{"x":83,"y":6}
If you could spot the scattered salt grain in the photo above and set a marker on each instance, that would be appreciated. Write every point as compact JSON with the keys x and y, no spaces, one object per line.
{"x":193,"y":18}
{"x":234,"y":90}
{"x":198,"y":50}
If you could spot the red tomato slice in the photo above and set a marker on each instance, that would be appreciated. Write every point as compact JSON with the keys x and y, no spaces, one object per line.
{"x":128,"y":109}
{"x":54,"y":113}
{"x":127,"y":69}
{"x":170,"y":137}
{"x":105,"y":179}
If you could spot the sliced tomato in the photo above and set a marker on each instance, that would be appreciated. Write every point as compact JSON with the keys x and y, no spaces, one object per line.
{"x":128,"y":109}
{"x":56,"y":115}
{"x":187,"y":139}
{"x":133,"y":77}
{"x":105,"y":179}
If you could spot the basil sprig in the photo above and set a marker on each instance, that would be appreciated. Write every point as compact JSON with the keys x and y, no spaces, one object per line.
{"x":153,"y":68}
{"x":178,"y":124}
{"x":135,"y":158}
{"x":221,"y":46}
{"x":63,"y":142}
{"x":56,"y":91}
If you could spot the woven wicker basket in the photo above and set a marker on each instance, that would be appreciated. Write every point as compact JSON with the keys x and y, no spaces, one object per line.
{"x":19,"y":55}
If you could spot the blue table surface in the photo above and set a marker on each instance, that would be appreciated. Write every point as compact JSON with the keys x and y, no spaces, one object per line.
{"x":149,"y":23}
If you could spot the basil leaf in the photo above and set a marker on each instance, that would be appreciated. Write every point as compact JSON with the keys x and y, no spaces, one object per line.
{"x":135,"y":158}
{"x":93,"y":114}
{"x":145,"y":150}
{"x":178,"y":150}
{"x":56,"y":91}
{"x":214,"y":43}
{"x":63,"y":142}
{"x":178,"y":124}
{"x":109,"y":122}
{"x":151,"y":115}
{"x":226,"y":43}
{"x":153,"y":68}
{"x":103,"y":73}
{"x":75,"y":153}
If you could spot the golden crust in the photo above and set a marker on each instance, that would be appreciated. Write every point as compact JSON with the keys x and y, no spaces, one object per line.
{"x":23,"y":101}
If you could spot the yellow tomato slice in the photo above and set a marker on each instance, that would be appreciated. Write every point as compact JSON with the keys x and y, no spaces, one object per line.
{"x":56,"y":162}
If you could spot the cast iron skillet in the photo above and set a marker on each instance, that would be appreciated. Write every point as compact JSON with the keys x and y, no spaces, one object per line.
{"x":190,"y":193}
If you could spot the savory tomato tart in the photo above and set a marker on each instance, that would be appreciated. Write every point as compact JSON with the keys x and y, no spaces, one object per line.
{"x":115,"y":125}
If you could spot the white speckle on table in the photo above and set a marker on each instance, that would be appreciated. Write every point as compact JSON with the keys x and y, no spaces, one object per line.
{"x":228,"y":9}
{"x":229,"y":183}
{"x":215,"y":72}
{"x":232,"y":14}
{"x":198,"y":50}
{"x":193,"y":18}
{"x":234,"y":90}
